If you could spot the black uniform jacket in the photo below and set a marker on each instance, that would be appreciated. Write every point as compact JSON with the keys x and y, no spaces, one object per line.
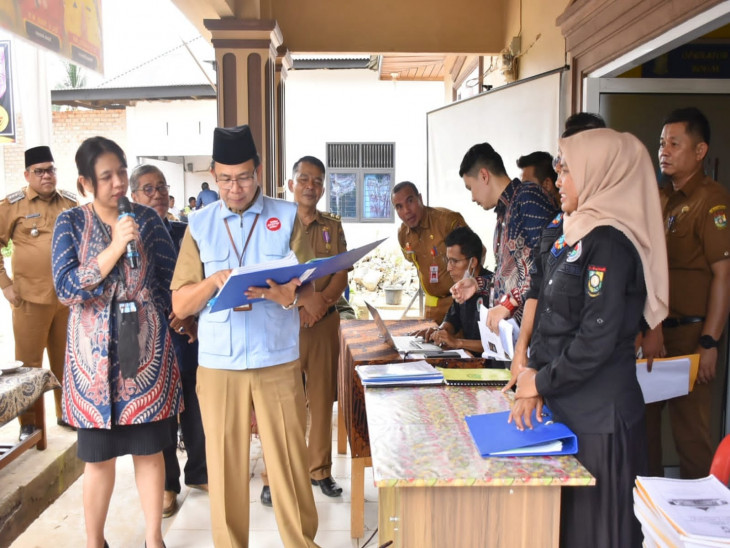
{"x":589,"y":311}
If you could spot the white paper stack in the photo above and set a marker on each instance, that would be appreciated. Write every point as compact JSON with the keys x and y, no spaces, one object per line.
{"x":399,"y":374}
{"x":684,"y":513}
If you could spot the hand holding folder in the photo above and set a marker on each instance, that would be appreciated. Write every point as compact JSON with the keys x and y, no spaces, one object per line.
{"x":495,"y":437}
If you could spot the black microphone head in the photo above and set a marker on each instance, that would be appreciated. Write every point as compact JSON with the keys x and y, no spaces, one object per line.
{"x":124,"y":206}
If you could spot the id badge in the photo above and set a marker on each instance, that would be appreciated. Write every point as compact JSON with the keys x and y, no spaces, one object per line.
{"x":434,"y":274}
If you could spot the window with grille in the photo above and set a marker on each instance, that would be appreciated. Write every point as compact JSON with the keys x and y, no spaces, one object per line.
{"x":360,"y":178}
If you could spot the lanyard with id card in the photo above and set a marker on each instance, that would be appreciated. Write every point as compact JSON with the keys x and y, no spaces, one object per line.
{"x":433,"y":270}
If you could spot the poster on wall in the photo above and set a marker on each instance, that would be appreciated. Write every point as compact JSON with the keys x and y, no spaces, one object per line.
{"x":71,"y":28}
{"x":7,"y":114}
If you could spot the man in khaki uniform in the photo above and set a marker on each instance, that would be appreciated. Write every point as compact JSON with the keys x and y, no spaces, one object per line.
{"x":421,"y":238}
{"x":317,"y":235}
{"x":698,"y":246}
{"x":27,"y":217}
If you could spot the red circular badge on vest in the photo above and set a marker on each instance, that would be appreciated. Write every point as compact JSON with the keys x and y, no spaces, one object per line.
{"x":273,"y":224}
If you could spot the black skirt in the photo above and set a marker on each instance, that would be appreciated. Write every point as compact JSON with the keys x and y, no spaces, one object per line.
{"x":100,"y":444}
{"x":602,"y":516}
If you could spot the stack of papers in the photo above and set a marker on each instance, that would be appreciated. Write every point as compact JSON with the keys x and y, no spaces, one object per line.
{"x":399,"y":374}
{"x":686,"y":513}
{"x":669,"y":377}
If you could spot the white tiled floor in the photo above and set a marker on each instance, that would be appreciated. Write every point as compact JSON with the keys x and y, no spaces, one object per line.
{"x":63,"y":521}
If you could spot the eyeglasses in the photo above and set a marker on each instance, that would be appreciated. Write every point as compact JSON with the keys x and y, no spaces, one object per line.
{"x":150,"y":190}
{"x":452,"y":261}
{"x":226,"y":183}
{"x":556,"y":163}
{"x":40,"y":172}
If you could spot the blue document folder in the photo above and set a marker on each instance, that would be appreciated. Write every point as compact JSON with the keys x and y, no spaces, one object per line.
{"x":232,"y":294}
{"x":493,"y":434}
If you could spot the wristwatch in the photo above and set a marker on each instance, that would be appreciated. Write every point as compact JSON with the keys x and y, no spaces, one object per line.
{"x":506,"y":302}
{"x":706,"y":341}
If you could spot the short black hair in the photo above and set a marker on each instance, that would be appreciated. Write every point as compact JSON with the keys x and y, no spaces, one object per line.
{"x":696,"y":122}
{"x":205,"y":186}
{"x":404,"y":184}
{"x":542,"y":162}
{"x":467,"y":240}
{"x":582,"y":121}
{"x":87,"y":155}
{"x":479,"y":156}
{"x":316,"y":162}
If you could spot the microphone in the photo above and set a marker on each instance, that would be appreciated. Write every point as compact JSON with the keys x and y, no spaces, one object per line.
{"x":132,"y":255}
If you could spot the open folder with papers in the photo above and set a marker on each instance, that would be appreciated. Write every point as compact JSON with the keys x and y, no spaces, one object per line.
{"x":499,"y":346}
{"x":232,"y":293}
{"x":495,"y":437}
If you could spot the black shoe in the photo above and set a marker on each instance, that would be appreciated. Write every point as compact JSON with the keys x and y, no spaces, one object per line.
{"x":25,"y":432}
{"x":266,"y":496}
{"x":329,"y":486}
{"x":64,"y":424}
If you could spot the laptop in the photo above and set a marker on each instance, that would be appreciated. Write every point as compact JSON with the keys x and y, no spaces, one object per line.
{"x":408,"y":344}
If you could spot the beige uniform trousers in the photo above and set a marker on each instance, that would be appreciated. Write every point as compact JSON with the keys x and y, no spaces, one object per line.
{"x":226,"y":398}
{"x":37,"y":327}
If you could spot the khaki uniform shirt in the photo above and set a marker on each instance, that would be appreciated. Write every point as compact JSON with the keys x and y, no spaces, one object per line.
{"x":22,"y":213}
{"x":321,"y":238}
{"x":424,"y":246}
{"x":695,"y":221}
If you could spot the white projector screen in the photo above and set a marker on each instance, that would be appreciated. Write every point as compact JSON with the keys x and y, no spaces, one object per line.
{"x":516,"y":119}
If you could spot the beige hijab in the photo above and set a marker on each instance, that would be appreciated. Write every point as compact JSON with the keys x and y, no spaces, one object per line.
{"x":616,"y":186}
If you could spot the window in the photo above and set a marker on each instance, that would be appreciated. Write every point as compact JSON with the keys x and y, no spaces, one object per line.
{"x":360,"y":180}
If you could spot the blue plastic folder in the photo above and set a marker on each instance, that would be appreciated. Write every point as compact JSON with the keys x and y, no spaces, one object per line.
{"x":232,"y":293}
{"x":493,"y":434}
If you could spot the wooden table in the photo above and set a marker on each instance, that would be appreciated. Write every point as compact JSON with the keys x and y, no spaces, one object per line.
{"x":360,"y":344}
{"x":20,"y":390}
{"x":436,"y":490}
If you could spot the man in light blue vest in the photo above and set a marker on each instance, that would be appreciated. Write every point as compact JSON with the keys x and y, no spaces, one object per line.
{"x":249,"y":356}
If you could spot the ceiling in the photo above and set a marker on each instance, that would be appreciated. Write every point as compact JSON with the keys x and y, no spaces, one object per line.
{"x":415,"y":40}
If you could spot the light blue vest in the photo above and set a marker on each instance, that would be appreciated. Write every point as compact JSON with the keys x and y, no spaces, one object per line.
{"x":267,"y":334}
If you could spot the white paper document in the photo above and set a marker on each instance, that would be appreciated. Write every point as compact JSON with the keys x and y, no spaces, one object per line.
{"x":499,"y":346}
{"x":668,"y":379}
{"x":696,"y":510}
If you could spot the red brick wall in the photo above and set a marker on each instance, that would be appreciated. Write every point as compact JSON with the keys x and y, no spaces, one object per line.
{"x":70,"y":128}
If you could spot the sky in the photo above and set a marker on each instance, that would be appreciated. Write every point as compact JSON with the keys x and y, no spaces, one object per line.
{"x":133,"y":32}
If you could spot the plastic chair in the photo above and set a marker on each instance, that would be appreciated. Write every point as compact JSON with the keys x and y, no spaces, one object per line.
{"x":720,"y":467}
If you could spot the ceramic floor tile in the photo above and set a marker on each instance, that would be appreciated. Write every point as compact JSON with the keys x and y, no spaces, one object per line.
{"x":181,"y":538}
{"x":194,"y":511}
{"x":337,"y":539}
{"x":333,"y":516}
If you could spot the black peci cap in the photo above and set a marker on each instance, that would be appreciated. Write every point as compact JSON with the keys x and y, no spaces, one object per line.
{"x":233,"y":146}
{"x":38,"y":155}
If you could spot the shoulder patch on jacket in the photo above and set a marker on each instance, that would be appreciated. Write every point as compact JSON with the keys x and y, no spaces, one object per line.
{"x":15,"y":196}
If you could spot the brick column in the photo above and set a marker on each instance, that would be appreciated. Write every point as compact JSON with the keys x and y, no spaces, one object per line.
{"x":245,"y":54}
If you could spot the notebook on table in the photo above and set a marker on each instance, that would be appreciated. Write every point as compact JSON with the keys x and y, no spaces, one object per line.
{"x":476,"y":377}
{"x":407,"y":344}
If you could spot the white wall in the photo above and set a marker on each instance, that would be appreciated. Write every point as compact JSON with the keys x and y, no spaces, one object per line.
{"x":175,"y":128}
{"x":354,"y":106}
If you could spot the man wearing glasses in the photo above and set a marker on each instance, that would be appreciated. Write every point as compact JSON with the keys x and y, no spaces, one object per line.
{"x":27,"y":217}
{"x":149,"y":187}
{"x":248,"y":355}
